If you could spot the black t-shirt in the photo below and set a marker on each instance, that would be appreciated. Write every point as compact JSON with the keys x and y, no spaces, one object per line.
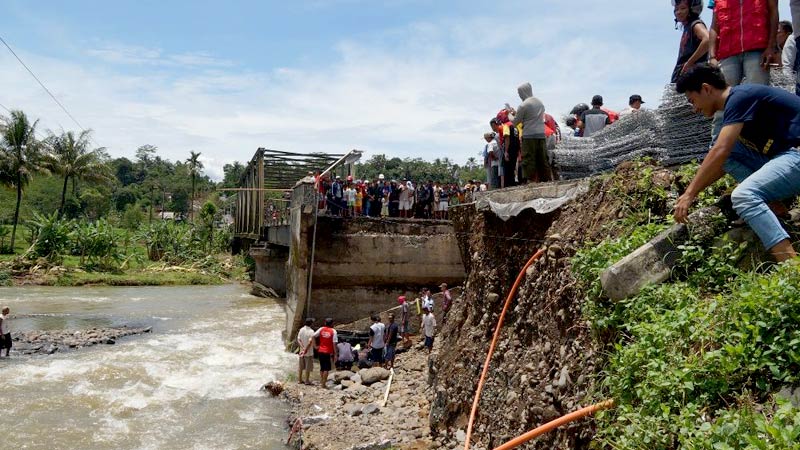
{"x":393,"y":332}
{"x":689,"y":45}
{"x":771,"y":118}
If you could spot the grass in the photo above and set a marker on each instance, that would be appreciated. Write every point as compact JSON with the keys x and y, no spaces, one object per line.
{"x":134,"y":278}
{"x":697,"y":362}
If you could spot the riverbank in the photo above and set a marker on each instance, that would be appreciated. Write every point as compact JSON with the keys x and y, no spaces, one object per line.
{"x":351,"y":415}
{"x":216,"y":270}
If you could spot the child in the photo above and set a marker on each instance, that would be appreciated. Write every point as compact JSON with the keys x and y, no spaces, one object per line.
{"x":693,"y":48}
{"x":5,"y":332}
{"x":359,"y":200}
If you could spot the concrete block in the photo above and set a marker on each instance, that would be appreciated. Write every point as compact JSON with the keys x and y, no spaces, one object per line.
{"x":652,"y":263}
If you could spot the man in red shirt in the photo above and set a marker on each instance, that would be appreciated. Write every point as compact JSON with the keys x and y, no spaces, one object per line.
{"x":326,"y":349}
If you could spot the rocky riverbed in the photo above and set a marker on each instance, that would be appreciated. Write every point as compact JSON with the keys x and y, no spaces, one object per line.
{"x":350,"y":414}
{"x":49,"y":342}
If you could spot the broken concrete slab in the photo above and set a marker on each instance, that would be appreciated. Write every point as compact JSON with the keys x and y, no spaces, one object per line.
{"x":652,"y":263}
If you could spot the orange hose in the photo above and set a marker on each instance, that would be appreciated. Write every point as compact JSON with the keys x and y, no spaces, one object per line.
{"x":482,"y":380}
{"x":549,"y":426}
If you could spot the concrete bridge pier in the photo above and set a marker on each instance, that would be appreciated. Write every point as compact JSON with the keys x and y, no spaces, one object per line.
{"x":271,"y":266}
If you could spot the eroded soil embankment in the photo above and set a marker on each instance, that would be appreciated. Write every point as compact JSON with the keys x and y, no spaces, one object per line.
{"x":546,"y":360}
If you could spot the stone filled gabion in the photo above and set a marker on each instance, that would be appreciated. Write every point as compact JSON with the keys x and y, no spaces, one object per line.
{"x":672,"y":134}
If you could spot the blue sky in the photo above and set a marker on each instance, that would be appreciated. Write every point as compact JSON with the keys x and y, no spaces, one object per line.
{"x":402,"y":77}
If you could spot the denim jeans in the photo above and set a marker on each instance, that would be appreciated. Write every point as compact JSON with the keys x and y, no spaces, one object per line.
{"x":744,"y":66}
{"x":794,"y":7}
{"x":763,"y":180}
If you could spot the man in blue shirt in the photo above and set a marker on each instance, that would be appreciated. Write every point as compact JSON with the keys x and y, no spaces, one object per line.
{"x":758,"y":146}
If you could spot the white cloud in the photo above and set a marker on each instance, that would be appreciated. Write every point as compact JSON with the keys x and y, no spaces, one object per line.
{"x":136,"y":55}
{"x":422,"y":90}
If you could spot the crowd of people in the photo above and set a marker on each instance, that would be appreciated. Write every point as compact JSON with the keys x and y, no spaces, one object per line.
{"x":381,"y":348}
{"x":391,"y":198}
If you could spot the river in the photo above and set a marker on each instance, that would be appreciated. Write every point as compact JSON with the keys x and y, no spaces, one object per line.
{"x":193,"y":383}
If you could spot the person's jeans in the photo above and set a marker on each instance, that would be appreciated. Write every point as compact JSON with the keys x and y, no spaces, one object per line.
{"x":763,"y":180}
{"x":744,"y":67}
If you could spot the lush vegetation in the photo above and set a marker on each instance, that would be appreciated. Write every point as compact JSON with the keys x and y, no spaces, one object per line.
{"x":416,"y":169}
{"x":696,"y":363}
{"x":71,"y":206}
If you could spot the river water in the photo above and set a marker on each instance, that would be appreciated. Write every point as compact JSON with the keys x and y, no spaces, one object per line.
{"x":193,"y":383}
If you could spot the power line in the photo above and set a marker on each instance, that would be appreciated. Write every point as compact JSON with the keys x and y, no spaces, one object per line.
{"x":41,"y":84}
{"x":63,"y":108}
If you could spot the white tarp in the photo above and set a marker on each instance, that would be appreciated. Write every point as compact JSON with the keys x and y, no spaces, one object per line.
{"x":543,"y":205}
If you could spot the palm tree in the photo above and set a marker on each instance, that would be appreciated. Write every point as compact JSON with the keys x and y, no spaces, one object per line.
{"x":70,"y":157}
{"x":21,"y":154}
{"x":195,"y":166}
{"x":471,"y":163}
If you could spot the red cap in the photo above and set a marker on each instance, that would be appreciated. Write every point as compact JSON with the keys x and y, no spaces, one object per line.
{"x":402,"y":298}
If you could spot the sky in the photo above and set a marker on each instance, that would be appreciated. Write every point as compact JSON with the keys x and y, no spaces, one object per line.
{"x":404,"y":78}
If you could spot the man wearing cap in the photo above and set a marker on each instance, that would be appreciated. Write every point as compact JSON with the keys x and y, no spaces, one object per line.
{"x":595,"y":119}
{"x":634,"y":103}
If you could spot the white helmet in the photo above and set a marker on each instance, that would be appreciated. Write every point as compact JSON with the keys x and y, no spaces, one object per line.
{"x":380,"y":177}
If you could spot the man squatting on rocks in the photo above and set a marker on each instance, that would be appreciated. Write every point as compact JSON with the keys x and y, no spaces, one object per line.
{"x":305,"y":339}
{"x":757,"y":145}
{"x":326,"y":349}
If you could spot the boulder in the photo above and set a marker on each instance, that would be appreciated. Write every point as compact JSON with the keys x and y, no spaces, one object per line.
{"x":371,"y":408}
{"x":273,"y":387}
{"x":341,"y":375}
{"x":373,"y":375}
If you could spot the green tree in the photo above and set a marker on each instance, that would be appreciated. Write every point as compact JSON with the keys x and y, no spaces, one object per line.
{"x":22,"y":154}
{"x":195,"y":167}
{"x":207,"y":215}
{"x":69,"y":156}
{"x":232,"y":174}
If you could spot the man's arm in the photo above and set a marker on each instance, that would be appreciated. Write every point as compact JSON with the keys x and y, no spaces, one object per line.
{"x":335,"y":346}
{"x":772,"y":44}
{"x":710,"y":171}
{"x":713,"y":33}
{"x":519,"y":116}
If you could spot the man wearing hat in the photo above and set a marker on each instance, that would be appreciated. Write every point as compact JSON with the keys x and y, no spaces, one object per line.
{"x":634,"y":103}
{"x":595,"y":119}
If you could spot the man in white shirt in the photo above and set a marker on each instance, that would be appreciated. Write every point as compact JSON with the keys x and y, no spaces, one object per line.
{"x":788,"y":46}
{"x":634,"y":103}
{"x":305,"y":339}
{"x":5,"y":332}
{"x":376,"y":342}
{"x":428,"y":328}
{"x":427,"y":299}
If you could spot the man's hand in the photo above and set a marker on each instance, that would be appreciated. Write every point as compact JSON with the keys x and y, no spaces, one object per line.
{"x":506,"y":156}
{"x":682,"y":207}
{"x":767,"y":57}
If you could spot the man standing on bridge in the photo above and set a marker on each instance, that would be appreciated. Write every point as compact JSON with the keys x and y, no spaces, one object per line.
{"x":757,"y":145}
